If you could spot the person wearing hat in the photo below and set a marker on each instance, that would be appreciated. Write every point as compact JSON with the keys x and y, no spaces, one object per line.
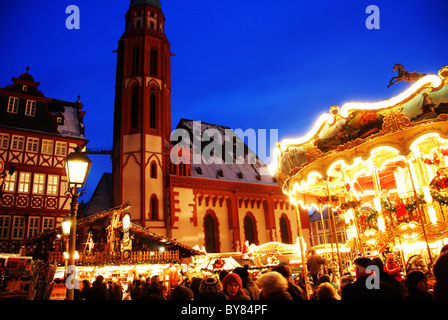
{"x":211,"y":289}
{"x":233,"y":287}
{"x":249,"y":284}
{"x":417,"y":286}
{"x":368,"y":286}
{"x":181,"y":292}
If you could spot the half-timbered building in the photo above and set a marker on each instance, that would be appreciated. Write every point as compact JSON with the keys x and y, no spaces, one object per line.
{"x":36,"y":135}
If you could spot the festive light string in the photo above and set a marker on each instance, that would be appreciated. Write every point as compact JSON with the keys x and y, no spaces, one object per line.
{"x":432,"y":81}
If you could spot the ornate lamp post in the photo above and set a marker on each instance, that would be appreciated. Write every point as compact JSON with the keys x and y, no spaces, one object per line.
{"x":77,"y":166}
{"x":66,"y":226}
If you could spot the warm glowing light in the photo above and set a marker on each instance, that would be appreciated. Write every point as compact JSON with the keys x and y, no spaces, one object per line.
{"x":381,"y":225}
{"x":321,"y":121}
{"x":377,"y":204}
{"x":433,"y":80}
{"x":432,"y":215}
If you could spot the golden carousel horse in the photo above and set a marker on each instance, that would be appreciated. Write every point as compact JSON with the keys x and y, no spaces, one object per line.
{"x":403,"y":75}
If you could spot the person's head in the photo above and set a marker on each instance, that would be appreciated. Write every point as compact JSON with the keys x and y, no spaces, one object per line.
{"x":232,"y":284}
{"x":390,"y":257}
{"x":210,"y":285}
{"x":346,"y":279}
{"x":378,"y":262}
{"x":242,"y":272}
{"x":322,"y":279}
{"x":417,"y":280}
{"x":272,"y":282}
{"x":361,"y":265}
{"x":285,"y":271}
{"x":181,"y":292}
{"x":326,"y":291}
{"x":312,"y":251}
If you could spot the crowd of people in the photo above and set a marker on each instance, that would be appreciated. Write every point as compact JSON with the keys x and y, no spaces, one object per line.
{"x":373,"y":279}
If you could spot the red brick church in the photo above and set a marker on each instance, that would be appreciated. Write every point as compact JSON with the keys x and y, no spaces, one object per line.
{"x":217,"y":206}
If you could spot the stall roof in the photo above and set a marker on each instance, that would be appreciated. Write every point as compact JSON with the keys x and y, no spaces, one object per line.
{"x":170,"y":244}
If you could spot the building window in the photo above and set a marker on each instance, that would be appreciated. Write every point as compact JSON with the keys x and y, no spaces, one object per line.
{"x":5,"y":222}
{"x":13,"y":105}
{"x":18,"y":228}
{"x":152,"y":109}
{"x":134,"y":108}
{"x":211,"y":232}
{"x":39,"y":183}
{"x":24,"y":182}
{"x":153,"y":170}
{"x":284,"y":230}
{"x":30,"y":108}
{"x":18,"y":143}
{"x":32,"y":145}
{"x":53,"y":185}
{"x":135,"y":60}
{"x":47,"y":146}
{"x":250,"y":231}
{"x":33,"y":226}
{"x":61,"y":149}
{"x":10,"y":182}
{"x":154,"y":203}
{"x":47,"y":223}
{"x":24,"y":88}
{"x":153,"y":62}
{"x":4,"y":140}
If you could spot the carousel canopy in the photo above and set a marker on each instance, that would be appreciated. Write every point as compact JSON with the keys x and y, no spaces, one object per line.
{"x":350,"y":143}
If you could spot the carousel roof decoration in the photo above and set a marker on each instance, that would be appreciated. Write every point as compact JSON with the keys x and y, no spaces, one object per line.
{"x":351,"y":134}
{"x":390,"y":154}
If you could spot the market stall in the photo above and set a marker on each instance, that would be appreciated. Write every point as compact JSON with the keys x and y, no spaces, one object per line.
{"x":381,"y":168}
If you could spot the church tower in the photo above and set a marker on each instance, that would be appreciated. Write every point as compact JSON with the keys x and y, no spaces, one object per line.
{"x":142,"y":119}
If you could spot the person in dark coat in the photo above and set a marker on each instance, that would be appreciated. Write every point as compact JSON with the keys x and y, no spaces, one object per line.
{"x":98,"y":291}
{"x":440,"y":271}
{"x":417,"y":285}
{"x":249,"y":284}
{"x":384,"y":276}
{"x":367,"y":285}
{"x":295,"y":291}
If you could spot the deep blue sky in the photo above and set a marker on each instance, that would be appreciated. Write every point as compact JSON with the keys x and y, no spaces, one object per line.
{"x":243,"y":64}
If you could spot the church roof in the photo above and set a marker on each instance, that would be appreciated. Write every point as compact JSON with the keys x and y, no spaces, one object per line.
{"x":153,"y":3}
{"x":244,"y":166}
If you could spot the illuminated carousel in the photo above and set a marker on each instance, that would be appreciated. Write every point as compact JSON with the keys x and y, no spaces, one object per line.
{"x":381,"y":168}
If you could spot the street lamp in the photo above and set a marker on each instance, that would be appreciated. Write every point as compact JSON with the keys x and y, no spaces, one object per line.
{"x":77,"y":166}
{"x":66,"y":226}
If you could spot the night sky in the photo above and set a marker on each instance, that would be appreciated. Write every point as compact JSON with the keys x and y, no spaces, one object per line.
{"x":243,"y":64}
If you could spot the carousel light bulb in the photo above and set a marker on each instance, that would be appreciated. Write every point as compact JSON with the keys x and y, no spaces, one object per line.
{"x":428,"y":197}
{"x":381,"y":225}
{"x":377,"y":204}
{"x":432,"y":215}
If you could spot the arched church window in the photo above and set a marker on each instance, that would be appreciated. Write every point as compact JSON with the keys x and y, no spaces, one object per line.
{"x":250,"y":232}
{"x":154,"y":208}
{"x":284,"y":230}
{"x":211,"y":233}
{"x":153,"y":109}
{"x":153,"y":170}
{"x":135,"y":60}
{"x":134,"y":107}
{"x":153,"y":62}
